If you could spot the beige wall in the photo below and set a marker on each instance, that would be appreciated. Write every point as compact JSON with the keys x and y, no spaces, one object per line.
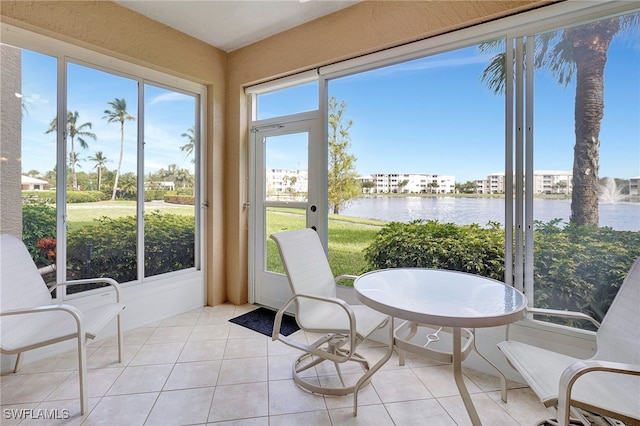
{"x":10,"y":129}
{"x":108,"y":28}
{"x":366,"y":27}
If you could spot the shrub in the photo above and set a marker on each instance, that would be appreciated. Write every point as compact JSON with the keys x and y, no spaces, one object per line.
{"x":581,"y":268}
{"x":46,"y":197}
{"x":85,"y":196}
{"x":107,"y":248}
{"x":180,"y":199}
{"x":185,"y":191}
{"x":430,"y":244}
{"x":38,"y":221}
{"x":49,"y":197}
{"x":575,"y":268}
{"x":154,"y":194}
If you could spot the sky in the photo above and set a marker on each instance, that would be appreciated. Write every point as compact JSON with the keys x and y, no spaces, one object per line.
{"x":430,"y":116}
{"x":435,"y":116}
{"x":168,"y":115}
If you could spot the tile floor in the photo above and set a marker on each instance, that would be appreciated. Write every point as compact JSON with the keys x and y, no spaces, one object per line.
{"x":199,"y":369}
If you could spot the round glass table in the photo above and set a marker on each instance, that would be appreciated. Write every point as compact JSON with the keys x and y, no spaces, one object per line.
{"x":443,"y":298}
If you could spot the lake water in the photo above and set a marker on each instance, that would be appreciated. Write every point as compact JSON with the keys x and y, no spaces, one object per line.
{"x":622,"y":216}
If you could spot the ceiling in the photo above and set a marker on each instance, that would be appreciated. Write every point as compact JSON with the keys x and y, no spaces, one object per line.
{"x":232,"y":24}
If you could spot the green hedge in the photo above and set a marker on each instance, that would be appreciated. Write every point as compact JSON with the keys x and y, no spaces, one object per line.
{"x":49,"y":197}
{"x":430,"y":244}
{"x":581,"y":268}
{"x":575,"y":268}
{"x":108,"y":247}
{"x":180,"y":199}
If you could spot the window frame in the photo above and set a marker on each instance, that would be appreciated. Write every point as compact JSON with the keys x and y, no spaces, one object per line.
{"x":66,"y":53}
{"x":518,"y":111}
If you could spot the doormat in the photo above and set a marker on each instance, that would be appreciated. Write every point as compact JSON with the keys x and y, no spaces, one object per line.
{"x":261,"y":320}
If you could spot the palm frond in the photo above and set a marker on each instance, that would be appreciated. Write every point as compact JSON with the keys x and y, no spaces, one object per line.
{"x":494,"y":75}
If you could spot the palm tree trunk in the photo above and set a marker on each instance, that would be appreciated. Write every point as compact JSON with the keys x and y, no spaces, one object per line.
{"x":115,"y":181}
{"x":73,"y":166}
{"x":590,"y":43}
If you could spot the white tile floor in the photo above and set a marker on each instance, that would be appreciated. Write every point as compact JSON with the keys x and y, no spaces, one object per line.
{"x":197,"y":369}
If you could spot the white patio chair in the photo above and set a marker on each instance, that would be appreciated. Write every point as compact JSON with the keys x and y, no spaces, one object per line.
{"x":318,"y":310}
{"x":608,"y":383}
{"x":30,"y":318}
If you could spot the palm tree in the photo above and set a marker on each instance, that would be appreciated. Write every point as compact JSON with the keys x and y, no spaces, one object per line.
{"x":579,"y":51}
{"x":190,"y":134}
{"x":118,"y":113}
{"x":74,"y":131}
{"x":100,"y":161}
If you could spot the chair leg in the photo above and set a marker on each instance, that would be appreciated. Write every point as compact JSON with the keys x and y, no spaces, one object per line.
{"x":120,"y":339}
{"x":18,"y":362}
{"x":364,"y":379}
{"x":82,"y":374}
{"x":339,"y":370}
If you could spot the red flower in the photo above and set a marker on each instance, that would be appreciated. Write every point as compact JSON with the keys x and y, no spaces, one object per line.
{"x":47,"y":247}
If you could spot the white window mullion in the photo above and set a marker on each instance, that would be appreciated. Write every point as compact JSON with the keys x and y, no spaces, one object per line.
{"x":519,"y":169}
{"x":61,"y":176}
{"x":529,"y":177}
{"x":508,"y":166}
{"x":140,"y":184}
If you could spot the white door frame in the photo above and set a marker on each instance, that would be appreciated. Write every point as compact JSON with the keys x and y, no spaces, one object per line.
{"x":269,"y":288}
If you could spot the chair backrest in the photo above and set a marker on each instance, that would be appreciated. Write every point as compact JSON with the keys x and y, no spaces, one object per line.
{"x":21,"y":285}
{"x":307,"y":269}
{"x":618,"y":337}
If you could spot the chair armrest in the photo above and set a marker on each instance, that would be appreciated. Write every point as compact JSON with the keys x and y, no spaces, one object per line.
{"x":345,"y":277}
{"x":71,"y":310}
{"x":344,"y":305}
{"x":580,"y":368}
{"x":564,"y":314}
{"x":113,"y":283}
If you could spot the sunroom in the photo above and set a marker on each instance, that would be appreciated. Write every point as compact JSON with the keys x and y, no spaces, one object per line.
{"x":224,"y":146}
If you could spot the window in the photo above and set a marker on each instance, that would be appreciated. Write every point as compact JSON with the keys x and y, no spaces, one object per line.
{"x":443,"y":130}
{"x":300,"y":98}
{"x":586,"y":133}
{"x":126,"y":205}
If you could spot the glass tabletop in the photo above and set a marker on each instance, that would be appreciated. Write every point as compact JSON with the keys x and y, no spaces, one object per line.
{"x":440,"y":297}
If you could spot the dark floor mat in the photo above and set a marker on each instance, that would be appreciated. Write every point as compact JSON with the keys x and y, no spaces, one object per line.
{"x":261,"y":320}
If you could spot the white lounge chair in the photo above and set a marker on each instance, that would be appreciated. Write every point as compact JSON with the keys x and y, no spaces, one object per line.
{"x":30,"y":318}
{"x":318,"y":310}
{"x":609,"y":382}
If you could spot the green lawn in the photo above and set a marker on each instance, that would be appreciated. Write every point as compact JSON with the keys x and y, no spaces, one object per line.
{"x":348,"y":237}
{"x":82,"y":214}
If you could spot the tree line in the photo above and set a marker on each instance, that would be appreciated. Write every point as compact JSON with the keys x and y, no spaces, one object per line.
{"x":79,"y":133}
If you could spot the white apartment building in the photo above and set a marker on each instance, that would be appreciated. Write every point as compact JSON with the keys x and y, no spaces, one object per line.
{"x":406,"y":183}
{"x":286,"y":183}
{"x":544,"y":182}
{"x":634,"y":187}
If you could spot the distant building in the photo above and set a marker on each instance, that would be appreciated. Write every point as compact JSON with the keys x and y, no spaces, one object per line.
{"x":32,"y":184}
{"x":167,"y":186}
{"x":287,"y":183}
{"x":406,"y":183}
{"x":633,"y":186}
{"x":544,"y":182}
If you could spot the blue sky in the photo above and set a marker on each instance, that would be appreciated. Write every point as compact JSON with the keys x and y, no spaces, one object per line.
{"x":435,"y":116}
{"x":431,"y":115}
{"x":168,"y":115}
